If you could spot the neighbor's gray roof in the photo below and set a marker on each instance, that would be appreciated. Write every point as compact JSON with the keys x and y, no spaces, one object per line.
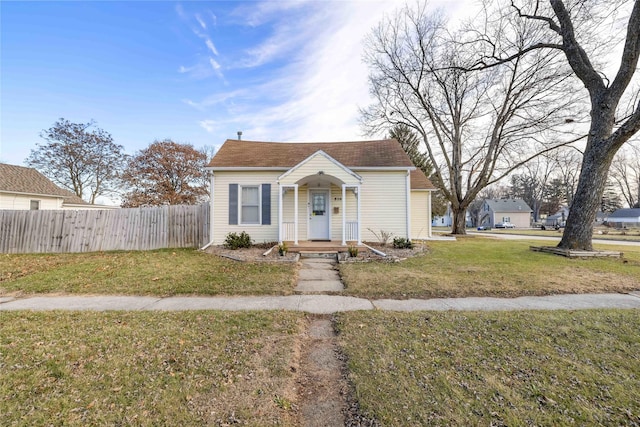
{"x":508,"y":205}
{"x":626,"y":213}
{"x":20,"y":179}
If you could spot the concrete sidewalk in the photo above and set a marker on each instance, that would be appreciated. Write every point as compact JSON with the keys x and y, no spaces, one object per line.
{"x":319,"y":304}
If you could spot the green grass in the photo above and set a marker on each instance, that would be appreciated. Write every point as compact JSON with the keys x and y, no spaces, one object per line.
{"x":147,"y":369}
{"x":477,"y":266}
{"x":501,"y":368}
{"x":160,"y":272}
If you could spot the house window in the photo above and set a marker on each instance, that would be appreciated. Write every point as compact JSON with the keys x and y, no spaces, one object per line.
{"x":506,"y":219}
{"x":250,"y":208}
{"x":34,"y":205}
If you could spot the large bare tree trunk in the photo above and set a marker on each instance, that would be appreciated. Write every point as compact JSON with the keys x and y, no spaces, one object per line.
{"x":459,"y":223}
{"x":586,"y":201}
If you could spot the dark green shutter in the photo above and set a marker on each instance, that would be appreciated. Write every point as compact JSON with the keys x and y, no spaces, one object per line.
{"x":266,"y":204}
{"x":233,"y":204}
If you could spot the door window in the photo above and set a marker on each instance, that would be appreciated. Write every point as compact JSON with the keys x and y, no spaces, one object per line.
{"x":319,"y":204}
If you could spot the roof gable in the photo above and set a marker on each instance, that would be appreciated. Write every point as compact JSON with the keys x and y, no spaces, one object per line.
{"x":319,"y":163}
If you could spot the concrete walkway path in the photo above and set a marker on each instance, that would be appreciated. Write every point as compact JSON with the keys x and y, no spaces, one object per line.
{"x":317,"y":275}
{"x":319,"y":304}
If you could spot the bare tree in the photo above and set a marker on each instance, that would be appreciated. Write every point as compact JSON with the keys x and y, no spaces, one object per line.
{"x":572,"y":28}
{"x":83,"y":160}
{"x":478,"y":126}
{"x":411,"y":145}
{"x":165,"y":173}
{"x":530,"y":182}
{"x":625,"y":172}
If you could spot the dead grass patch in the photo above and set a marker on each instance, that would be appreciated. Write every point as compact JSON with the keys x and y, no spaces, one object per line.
{"x":508,"y":368}
{"x":147,"y":369}
{"x":161,"y":272}
{"x":487,"y":267}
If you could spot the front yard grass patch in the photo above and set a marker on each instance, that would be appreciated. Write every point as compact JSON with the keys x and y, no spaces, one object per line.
{"x":147,"y":368}
{"x":499,"y":368}
{"x":477,"y":266}
{"x":161,"y":272}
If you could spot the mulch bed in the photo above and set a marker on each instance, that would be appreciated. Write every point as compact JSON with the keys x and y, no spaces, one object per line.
{"x":256,"y":254}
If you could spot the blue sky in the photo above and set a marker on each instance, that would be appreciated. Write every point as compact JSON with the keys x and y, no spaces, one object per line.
{"x":195,"y":72}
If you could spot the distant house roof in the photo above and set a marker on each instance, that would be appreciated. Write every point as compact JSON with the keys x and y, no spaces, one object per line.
{"x":625,"y":213}
{"x":357,"y":154}
{"x":24,"y":180}
{"x":508,"y":205}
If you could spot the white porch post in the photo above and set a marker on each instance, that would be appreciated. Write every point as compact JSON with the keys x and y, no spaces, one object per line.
{"x":211,"y":205}
{"x":295,"y":214}
{"x":359,"y":219}
{"x":429,"y":231}
{"x":344,"y":214}
{"x":408,"y":184}
{"x":279,"y":213}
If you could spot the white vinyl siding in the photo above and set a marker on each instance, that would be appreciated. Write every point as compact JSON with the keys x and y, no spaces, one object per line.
{"x":420,"y":214}
{"x":319,"y":163}
{"x":336,"y":218}
{"x":383,"y":203}
{"x":16,"y":201}
{"x":259,"y":233}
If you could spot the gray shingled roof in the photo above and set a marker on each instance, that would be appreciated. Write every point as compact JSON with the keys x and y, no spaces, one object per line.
{"x":20,"y":179}
{"x":508,"y":205}
{"x":626,"y":213}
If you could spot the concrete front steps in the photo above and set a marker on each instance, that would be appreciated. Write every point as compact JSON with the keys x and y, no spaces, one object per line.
{"x":318,"y":273}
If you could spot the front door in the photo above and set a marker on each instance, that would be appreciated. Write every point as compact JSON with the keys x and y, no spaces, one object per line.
{"x":319,"y":215}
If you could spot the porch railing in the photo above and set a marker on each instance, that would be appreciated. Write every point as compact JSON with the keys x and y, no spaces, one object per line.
{"x":288,"y":231}
{"x":351,"y":231}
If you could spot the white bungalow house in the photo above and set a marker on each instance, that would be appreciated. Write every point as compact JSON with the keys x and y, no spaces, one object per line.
{"x":336,"y":191}
{"x":23,"y":188}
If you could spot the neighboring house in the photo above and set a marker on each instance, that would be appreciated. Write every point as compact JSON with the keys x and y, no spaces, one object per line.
{"x":625,"y":218}
{"x":558,"y":219}
{"x":446,"y":220}
{"x":442,"y":221}
{"x":23,"y":188}
{"x":339,"y":191}
{"x":515,"y":211}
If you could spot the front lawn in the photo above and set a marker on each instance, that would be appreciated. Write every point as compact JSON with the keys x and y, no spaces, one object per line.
{"x":148,"y":368}
{"x":160,"y":272}
{"x":500,"y":369}
{"x":476,"y":266}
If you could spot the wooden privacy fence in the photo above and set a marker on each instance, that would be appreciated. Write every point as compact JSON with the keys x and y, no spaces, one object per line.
{"x":58,"y":231}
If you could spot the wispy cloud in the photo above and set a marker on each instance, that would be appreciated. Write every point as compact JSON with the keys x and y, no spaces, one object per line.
{"x":200,"y":21}
{"x":199,"y":29}
{"x":307,"y":77}
{"x":319,"y":81}
{"x":211,"y":46}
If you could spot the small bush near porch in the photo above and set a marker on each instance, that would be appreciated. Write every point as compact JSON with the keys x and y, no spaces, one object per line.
{"x":487,"y":267}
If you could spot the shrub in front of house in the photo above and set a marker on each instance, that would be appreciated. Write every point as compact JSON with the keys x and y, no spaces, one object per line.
{"x":237,"y":241}
{"x":402,"y":243}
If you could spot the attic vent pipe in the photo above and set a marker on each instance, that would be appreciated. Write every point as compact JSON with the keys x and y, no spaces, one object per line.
{"x":239,"y":135}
